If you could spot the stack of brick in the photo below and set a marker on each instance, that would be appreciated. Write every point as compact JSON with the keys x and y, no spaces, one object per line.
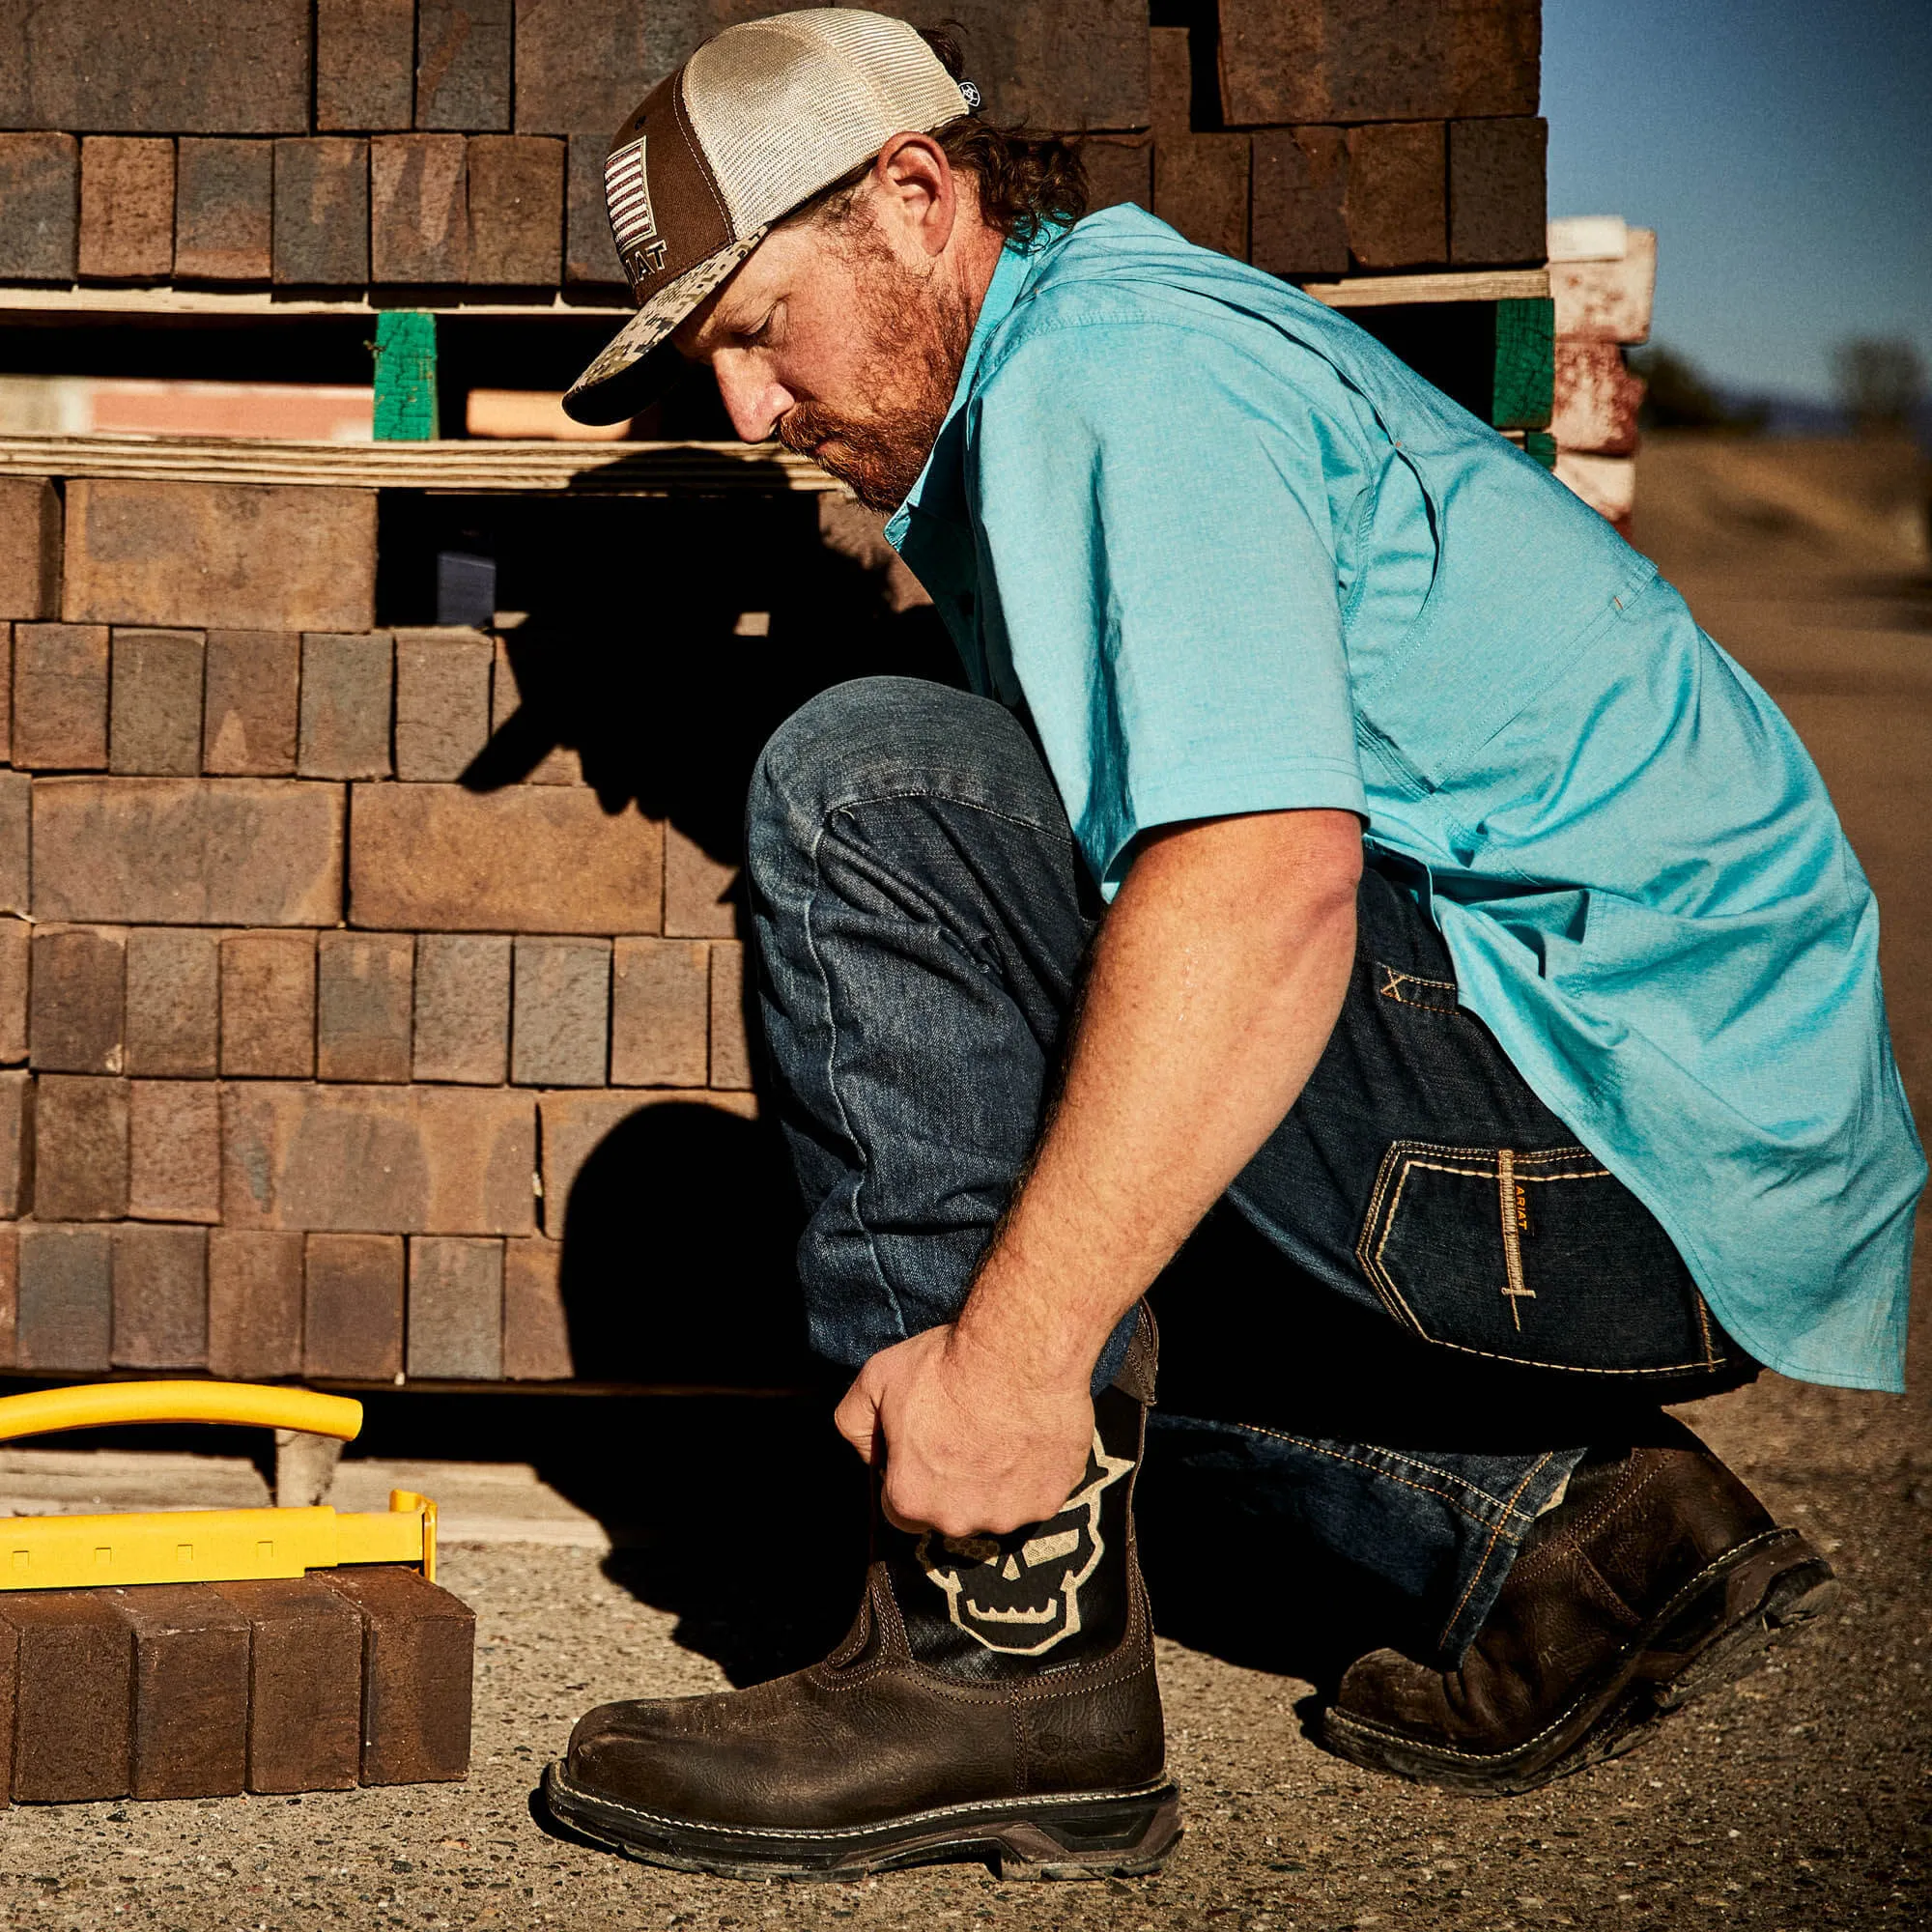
{"x":304,"y":1041}
{"x":331,"y":144}
{"x":321,"y":1682}
{"x":1603,"y":276}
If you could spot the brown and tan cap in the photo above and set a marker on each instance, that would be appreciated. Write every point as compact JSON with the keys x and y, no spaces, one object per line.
{"x":757,"y":121}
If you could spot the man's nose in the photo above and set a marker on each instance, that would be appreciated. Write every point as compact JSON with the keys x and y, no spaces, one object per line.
{"x":754,"y":399}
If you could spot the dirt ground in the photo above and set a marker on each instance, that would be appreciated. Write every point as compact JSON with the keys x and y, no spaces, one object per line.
{"x":1797,"y":1797}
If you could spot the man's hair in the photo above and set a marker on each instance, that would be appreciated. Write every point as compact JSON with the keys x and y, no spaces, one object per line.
{"x":1025,"y":181}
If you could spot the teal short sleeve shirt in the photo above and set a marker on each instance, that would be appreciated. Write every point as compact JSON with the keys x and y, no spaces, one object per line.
{"x":1227,"y":554}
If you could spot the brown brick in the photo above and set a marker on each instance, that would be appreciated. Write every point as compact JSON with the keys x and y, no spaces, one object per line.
{"x":174,"y":1008}
{"x":589,"y":254}
{"x":1378,"y":60}
{"x":77,"y":1006}
{"x":1067,"y":66}
{"x":574,"y":1125}
{"x":187,"y":851}
{"x":80,"y":1147}
{"x":560,"y":1029}
{"x":14,"y":942}
{"x":442,"y":701}
{"x":17,"y":1142}
{"x":161,"y":1296}
{"x":74,"y":1695}
{"x":40,"y":207}
{"x":66,"y":1299}
{"x":1300,"y":176}
{"x":322,"y":212}
{"x":730,"y":1049}
{"x":254,"y":1303}
{"x":561,"y":764}
{"x":1397,"y":196}
{"x":516,"y":208}
{"x":364,"y":51}
{"x":250,"y":714}
{"x":698,"y":890}
{"x":200,"y":557}
{"x":127,"y":208}
{"x":30,"y":549}
{"x":1200,"y":181}
{"x":660,"y":1007}
{"x":456,"y":1307}
{"x":174,"y":1151}
{"x":537,"y":1333}
{"x":267,"y":1005}
{"x":416,"y":1160}
{"x":1496,"y":201}
{"x":584,"y":65}
{"x":224,"y":210}
{"x":463,"y":64}
{"x":305,"y":1685}
{"x":17,"y":795}
{"x":418,"y":1643}
{"x":346,"y":694}
{"x":204,"y":66}
{"x":60,"y":695}
{"x":353,"y":1307}
{"x":418,"y":212}
{"x":463,"y":1008}
{"x":154,"y":715}
{"x":191,"y":1703}
{"x":1201,"y":188}
{"x":362,"y":1004}
{"x":10,"y":1324}
{"x":542,"y":858}
{"x":1120,"y":168}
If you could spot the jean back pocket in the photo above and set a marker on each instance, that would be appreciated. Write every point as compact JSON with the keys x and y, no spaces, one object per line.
{"x":1538,"y":1256}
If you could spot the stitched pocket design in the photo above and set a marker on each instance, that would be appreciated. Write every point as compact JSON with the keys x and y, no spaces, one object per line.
{"x":1537,"y":1256}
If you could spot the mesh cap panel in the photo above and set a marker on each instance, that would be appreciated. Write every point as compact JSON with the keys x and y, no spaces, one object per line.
{"x":783,"y":107}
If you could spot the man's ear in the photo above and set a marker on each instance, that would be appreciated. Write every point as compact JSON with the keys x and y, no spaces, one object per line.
{"x":916,"y":181}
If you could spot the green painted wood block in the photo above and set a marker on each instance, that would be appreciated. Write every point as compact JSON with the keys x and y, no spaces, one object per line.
{"x":1540,"y":447}
{"x":1525,"y":392}
{"x":405,"y":376}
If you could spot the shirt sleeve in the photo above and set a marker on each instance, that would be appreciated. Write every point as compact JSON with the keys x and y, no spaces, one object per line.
{"x":1159,"y":567}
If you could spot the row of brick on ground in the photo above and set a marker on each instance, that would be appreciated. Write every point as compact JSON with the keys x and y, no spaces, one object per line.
{"x":343,"y":1677}
{"x":464,"y":148}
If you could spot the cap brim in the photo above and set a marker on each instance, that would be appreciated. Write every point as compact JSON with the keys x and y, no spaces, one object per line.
{"x":640,"y":365}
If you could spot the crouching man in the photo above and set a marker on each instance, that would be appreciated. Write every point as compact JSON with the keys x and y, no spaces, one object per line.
{"x":1345,"y":826}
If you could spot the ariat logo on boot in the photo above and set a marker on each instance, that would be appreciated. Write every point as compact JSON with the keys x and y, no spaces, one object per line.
{"x":1021,"y":1593}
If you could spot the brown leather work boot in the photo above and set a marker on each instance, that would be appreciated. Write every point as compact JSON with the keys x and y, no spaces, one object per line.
{"x":1657,"y":1578}
{"x":995,"y":1700}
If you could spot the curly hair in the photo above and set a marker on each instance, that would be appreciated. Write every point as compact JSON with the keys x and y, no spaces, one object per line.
{"x":1025,"y":181}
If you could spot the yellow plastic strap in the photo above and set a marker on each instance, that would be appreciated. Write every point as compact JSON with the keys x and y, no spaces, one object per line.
{"x":103,"y":1405}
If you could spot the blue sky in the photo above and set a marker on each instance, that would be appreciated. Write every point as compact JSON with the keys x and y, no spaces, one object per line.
{"x":1782,"y":151}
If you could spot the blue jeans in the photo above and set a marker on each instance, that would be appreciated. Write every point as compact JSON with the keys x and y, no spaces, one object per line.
{"x":1417,"y":1305}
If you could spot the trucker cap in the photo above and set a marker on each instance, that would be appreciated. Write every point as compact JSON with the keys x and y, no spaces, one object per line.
{"x":754,"y":124}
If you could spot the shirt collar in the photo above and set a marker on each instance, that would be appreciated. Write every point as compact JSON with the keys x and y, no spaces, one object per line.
{"x":939,"y":490}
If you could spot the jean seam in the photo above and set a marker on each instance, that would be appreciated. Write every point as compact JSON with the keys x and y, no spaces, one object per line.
{"x":1489,"y":1548}
{"x":832,"y":1086}
{"x":845,"y":807}
{"x":1478,"y":1516}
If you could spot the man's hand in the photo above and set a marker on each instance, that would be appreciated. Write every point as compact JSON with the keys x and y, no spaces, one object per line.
{"x":968,"y":1448}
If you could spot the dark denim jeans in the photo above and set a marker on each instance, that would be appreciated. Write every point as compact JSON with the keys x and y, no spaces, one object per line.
{"x":1448,"y":1298}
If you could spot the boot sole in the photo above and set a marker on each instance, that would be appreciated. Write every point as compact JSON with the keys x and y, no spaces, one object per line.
{"x":1085,"y":1835}
{"x":1705,"y":1636}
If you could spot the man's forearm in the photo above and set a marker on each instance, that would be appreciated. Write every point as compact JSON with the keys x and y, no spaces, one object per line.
{"x":1215,"y":985}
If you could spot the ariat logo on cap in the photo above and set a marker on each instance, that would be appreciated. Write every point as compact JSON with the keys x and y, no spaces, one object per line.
{"x":627,"y":188}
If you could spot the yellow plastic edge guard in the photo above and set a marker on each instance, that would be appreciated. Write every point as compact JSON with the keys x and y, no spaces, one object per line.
{"x":102,"y":1405}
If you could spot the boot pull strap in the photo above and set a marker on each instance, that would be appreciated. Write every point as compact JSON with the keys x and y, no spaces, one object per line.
{"x":1136,"y":1375}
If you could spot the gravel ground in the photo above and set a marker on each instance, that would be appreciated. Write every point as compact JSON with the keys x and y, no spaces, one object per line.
{"x":1796,"y":1798}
